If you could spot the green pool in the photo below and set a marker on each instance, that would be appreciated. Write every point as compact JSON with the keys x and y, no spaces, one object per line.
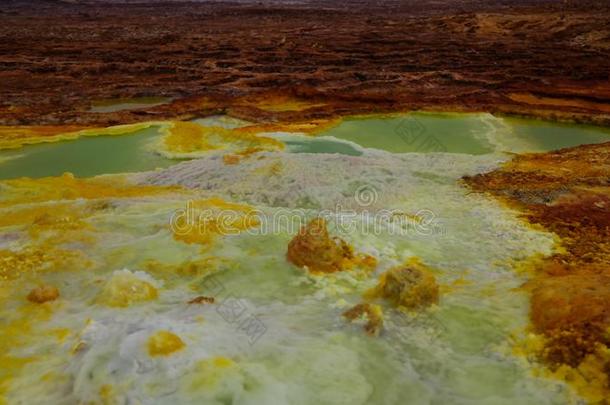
{"x":84,"y":157}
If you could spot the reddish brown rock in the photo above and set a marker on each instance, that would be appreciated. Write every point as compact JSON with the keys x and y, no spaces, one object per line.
{"x":43,"y":293}
{"x":202,"y":299}
{"x":567,"y":192}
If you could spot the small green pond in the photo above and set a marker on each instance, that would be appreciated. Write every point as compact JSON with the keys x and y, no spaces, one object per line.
{"x":84,"y":157}
{"x":114,"y":105}
{"x":473,"y":134}
{"x":546,"y":136}
{"x":454,"y":133}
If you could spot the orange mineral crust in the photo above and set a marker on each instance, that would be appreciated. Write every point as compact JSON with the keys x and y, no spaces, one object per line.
{"x":567,"y":192}
{"x":373,"y":313}
{"x":314,"y":249}
{"x":43,"y":293}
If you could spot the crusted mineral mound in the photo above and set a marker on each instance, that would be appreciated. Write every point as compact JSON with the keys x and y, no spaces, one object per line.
{"x":409,"y":286}
{"x":314,"y":249}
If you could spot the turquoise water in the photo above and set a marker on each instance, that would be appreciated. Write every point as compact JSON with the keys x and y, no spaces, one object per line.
{"x":319,"y":145}
{"x":223,"y":121}
{"x":474,"y":134}
{"x":546,"y":136}
{"x":84,"y":157}
{"x":455,"y":133}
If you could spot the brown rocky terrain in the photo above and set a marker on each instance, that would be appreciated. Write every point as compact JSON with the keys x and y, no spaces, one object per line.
{"x":542,"y":58}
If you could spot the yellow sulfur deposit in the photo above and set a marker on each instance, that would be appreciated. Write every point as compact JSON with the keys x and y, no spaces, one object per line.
{"x":189,"y":138}
{"x":126,"y":288}
{"x":68,"y":187}
{"x":222,"y":362}
{"x":12,"y":137}
{"x":107,"y":394}
{"x":16,"y":136}
{"x":18,"y":329}
{"x":57,"y":221}
{"x":210,"y":372}
{"x":164,"y":343}
{"x":37,"y":259}
{"x":188,"y":268}
{"x":591,"y":378}
{"x":12,"y":334}
{"x":203,"y":220}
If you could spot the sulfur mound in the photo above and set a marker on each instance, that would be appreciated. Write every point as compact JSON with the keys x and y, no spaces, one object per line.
{"x":410,"y":286}
{"x":314,"y":249}
{"x":164,"y":343}
{"x":126,"y":288}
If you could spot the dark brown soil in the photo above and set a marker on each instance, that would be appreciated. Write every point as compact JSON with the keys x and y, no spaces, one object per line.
{"x":543,"y":58}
